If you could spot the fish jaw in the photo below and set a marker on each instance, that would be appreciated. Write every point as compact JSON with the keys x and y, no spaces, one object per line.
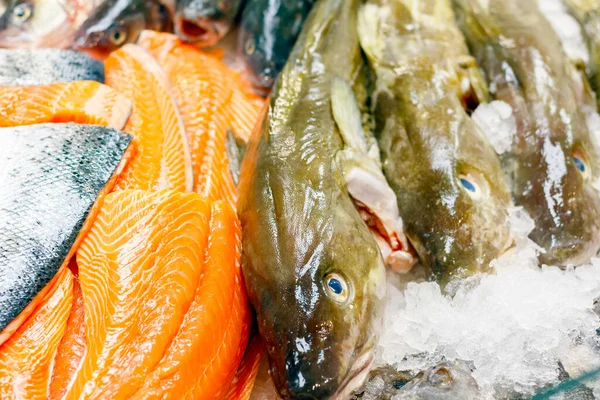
{"x":201,"y":31}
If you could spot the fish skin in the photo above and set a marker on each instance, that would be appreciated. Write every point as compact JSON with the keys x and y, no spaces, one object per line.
{"x":268,"y":31}
{"x":205,"y":22}
{"x":23,"y":67}
{"x":527,"y":68}
{"x":587,"y":13}
{"x":427,"y":140}
{"x":43,"y":167}
{"x":27,"y":24}
{"x":116,"y":22}
{"x":163,"y":159}
{"x":84,"y":102}
{"x":26,"y":358}
{"x":300,"y":224}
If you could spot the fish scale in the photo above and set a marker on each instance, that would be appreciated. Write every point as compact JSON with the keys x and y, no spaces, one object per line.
{"x":23,"y":67}
{"x":43,"y":168}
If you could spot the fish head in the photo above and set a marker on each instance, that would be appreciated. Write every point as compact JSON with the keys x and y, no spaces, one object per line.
{"x":104,"y":31}
{"x":36,"y":23}
{"x":322,"y":327}
{"x":455,"y":201}
{"x":204,"y":21}
{"x":261,"y":64}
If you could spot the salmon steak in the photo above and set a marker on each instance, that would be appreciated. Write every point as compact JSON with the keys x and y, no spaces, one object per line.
{"x":163,"y":159}
{"x":165,"y":310}
{"x":24,"y":67}
{"x":51,"y":175}
{"x":84,"y":102}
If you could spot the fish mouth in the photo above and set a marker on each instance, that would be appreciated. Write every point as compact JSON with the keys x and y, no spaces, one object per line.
{"x":355,"y":376}
{"x":200,"y":31}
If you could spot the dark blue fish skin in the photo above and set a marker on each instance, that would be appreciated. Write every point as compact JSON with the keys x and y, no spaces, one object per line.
{"x":50,"y":177}
{"x":269,"y":30}
{"x":23,"y":67}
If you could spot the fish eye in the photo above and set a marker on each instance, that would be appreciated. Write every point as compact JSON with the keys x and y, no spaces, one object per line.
{"x":336,"y":287}
{"x":118,"y":36}
{"x":22,"y":13}
{"x":223,"y":5}
{"x":470,"y":186}
{"x":249,"y":46}
{"x":581,"y":164}
{"x":440,"y":378}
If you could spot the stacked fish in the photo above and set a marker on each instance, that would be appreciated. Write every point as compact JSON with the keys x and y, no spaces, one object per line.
{"x":120,"y":250}
{"x":376,"y":150}
{"x":268,"y":28}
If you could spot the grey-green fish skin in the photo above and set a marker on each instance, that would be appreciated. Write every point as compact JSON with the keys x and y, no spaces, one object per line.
{"x":587,"y":13}
{"x":428,"y":142}
{"x":50,"y":175}
{"x":23,"y":67}
{"x":117,"y":22}
{"x":299,"y":223}
{"x":526,"y":67}
{"x":268,"y":31}
{"x":205,"y":22}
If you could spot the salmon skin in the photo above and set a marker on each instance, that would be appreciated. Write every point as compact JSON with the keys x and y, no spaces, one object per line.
{"x":50,"y":175}
{"x":21,"y":67}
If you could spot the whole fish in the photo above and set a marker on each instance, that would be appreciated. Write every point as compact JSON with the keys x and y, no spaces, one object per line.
{"x":552,"y":162}
{"x":587,"y":13}
{"x":45,"y":66}
{"x":42,"y":23}
{"x":313,"y":270}
{"x":268,"y":32}
{"x":451,"y":190}
{"x":43,"y":168}
{"x":205,"y":22}
{"x":116,"y":22}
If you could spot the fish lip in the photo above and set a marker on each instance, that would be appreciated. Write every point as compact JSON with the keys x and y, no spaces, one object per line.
{"x":199,"y":30}
{"x":355,"y":376}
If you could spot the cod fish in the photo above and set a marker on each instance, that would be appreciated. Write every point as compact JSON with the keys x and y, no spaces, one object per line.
{"x":45,"y":66}
{"x":268,"y":32}
{"x":587,"y":13}
{"x":51,"y":175}
{"x":312,"y":267}
{"x":116,"y":22}
{"x":552,"y":161}
{"x":451,"y":190}
{"x":205,"y":22}
{"x":42,"y":23}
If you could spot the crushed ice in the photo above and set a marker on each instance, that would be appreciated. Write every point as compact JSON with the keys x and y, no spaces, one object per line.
{"x":497,"y":123}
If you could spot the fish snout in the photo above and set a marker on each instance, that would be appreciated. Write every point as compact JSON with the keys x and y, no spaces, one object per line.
{"x":199,"y":30}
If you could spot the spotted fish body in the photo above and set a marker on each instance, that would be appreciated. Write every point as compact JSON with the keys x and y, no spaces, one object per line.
{"x":50,"y":175}
{"x":23,"y":67}
{"x":552,"y":163}
{"x":268,"y":32}
{"x":452,"y":193}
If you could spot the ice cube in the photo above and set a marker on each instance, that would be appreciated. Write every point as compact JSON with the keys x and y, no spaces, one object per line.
{"x":497,"y":123}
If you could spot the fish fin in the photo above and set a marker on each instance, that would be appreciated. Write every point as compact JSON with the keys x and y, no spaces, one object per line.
{"x":347,"y":115}
{"x":368,"y":30}
{"x":235,"y":148}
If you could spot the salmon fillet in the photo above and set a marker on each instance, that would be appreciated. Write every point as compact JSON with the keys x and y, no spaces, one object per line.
{"x":71,"y":348}
{"x":204,"y":356}
{"x":139,"y":268}
{"x":84,"y":102}
{"x":163,"y":159}
{"x":26,"y":358}
{"x":210,"y":100}
{"x":243,"y":382}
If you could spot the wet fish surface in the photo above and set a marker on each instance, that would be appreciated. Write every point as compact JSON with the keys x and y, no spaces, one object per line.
{"x":553,"y":162}
{"x":116,"y":22}
{"x":268,"y":32}
{"x":50,"y":176}
{"x":42,"y":23}
{"x":22,"y":67}
{"x":452,"y":193}
{"x":313,"y":271}
{"x":205,"y":22}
